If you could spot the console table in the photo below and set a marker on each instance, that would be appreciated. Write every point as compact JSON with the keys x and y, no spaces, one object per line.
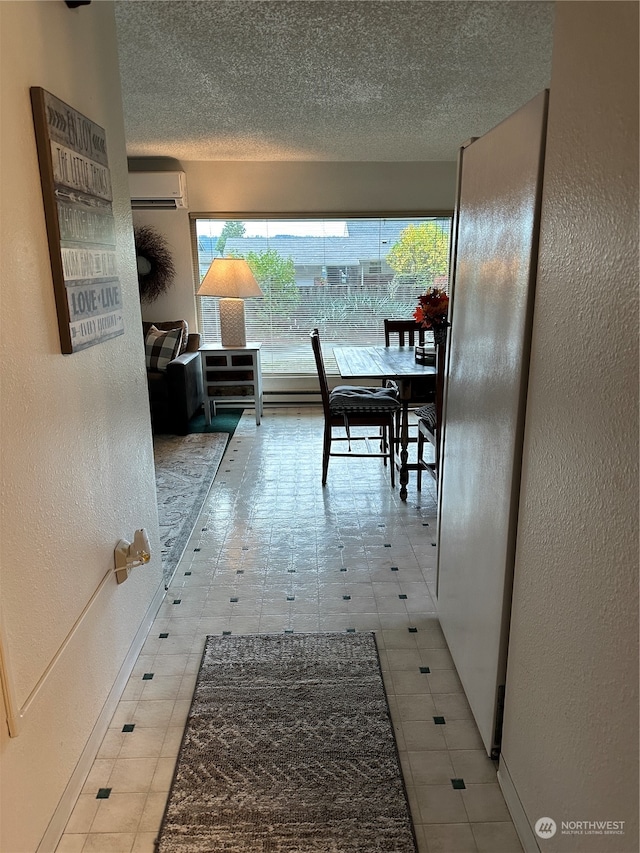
{"x":231,"y":375}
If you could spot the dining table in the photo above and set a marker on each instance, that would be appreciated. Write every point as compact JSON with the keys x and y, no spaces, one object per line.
{"x":379,"y":363}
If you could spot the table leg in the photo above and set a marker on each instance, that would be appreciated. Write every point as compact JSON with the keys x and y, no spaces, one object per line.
{"x":209,"y":410}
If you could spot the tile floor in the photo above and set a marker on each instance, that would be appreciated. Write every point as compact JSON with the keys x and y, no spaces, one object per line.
{"x":273,"y":551}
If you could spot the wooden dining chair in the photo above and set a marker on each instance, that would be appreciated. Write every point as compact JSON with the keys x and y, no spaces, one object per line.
{"x":430,"y":423}
{"x":349,"y":406}
{"x":408,"y":332}
{"x":400,"y":332}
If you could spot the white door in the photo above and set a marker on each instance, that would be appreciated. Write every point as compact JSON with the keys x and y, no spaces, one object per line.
{"x":488,"y":356}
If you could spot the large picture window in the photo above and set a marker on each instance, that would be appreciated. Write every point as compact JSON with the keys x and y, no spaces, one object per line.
{"x":343,"y":276}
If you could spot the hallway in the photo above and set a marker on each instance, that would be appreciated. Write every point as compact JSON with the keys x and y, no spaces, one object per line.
{"x":273,"y":551}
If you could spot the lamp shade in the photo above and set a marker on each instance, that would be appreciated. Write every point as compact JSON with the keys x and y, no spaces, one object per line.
{"x":230,"y":278}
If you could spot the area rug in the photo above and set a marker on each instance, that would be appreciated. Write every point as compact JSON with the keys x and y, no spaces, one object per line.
{"x":185,"y":468}
{"x":288,"y":748}
{"x":226,"y":420}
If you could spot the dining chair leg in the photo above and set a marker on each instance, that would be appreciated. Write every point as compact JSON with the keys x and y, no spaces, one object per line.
{"x":420,"y":452}
{"x":325,"y":453}
{"x":392,"y":452}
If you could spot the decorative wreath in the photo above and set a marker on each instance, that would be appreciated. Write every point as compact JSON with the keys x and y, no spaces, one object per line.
{"x":155,"y":264}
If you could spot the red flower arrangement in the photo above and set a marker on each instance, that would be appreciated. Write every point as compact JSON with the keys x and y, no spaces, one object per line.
{"x":433,"y":308}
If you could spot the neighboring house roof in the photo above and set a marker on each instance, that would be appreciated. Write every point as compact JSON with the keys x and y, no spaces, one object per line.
{"x":367,"y":240}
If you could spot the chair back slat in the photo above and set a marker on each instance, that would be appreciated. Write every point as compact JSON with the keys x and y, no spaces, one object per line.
{"x":322,"y":373}
{"x":408,"y":331}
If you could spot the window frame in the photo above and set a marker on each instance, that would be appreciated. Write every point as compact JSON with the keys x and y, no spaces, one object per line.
{"x":363,"y":269}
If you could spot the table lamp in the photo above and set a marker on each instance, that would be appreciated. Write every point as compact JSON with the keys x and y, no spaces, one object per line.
{"x":232,"y":280}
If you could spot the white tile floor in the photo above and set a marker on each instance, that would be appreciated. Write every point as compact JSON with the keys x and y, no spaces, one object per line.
{"x":273,"y":551}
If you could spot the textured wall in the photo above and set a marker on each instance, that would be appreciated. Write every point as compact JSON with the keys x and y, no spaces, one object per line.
{"x":77,"y":465}
{"x":261,"y":187}
{"x":571,"y":719}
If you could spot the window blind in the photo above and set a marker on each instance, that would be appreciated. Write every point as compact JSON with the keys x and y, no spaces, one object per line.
{"x":342,"y":276}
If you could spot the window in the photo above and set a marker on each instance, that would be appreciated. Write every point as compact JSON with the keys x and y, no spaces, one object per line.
{"x":343,"y":276}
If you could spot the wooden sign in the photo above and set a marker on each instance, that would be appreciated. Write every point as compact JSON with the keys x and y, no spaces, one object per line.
{"x":76,"y":190}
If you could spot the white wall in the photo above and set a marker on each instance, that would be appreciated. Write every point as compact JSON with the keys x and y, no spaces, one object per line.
{"x":179,"y":301}
{"x":320,"y":188}
{"x":571,"y":720}
{"x":76,"y":450}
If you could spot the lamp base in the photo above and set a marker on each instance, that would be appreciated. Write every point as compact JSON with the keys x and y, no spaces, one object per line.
{"x":232,"y":328}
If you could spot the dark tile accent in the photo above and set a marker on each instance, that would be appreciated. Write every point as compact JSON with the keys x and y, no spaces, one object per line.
{"x":291,"y":598}
{"x":103,"y":793}
{"x":402,"y":596}
{"x":413,"y":630}
{"x":394,"y":568}
{"x":226,"y":633}
{"x":177,"y":601}
{"x":187,"y":574}
{"x":239,"y":571}
{"x":433,"y":544}
{"x":458,"y":784}
{"x":204,"y":529}
{"x":351,"y":630}
{"x":387,"y":544}
{"x":346,"y":597}
{"x":163,"y":636}
{"x":439,"y":721}
{"x":196,"y":549}
{"x":245,"y":547}
{"x":340,"y":547}
{"x":424,"y":670}
{"x":288,"y":630}
{"x":233,"y":600}
{"x":291,"y":571}
{"x":128,"y":727}
{"x":343,"y":569}
{"x":147,"y":676}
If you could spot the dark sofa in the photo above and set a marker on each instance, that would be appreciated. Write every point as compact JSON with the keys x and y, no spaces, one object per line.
{"x":175,"y":394}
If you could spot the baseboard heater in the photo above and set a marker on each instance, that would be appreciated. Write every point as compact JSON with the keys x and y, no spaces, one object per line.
{"x":292,"y":398}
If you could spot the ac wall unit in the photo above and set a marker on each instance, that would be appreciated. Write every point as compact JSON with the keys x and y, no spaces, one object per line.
{"x":158,"y":190}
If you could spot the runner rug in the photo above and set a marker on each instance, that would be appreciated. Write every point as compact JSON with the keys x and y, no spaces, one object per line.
{"x":185,"y":468}
{"x":288,"y":748}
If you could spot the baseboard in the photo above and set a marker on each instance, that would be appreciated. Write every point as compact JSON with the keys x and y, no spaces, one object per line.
{"x":516,"y":809}
{"x":55,"y":830}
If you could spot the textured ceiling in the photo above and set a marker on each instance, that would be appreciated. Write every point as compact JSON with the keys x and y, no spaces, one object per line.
{"x":316,"y":80}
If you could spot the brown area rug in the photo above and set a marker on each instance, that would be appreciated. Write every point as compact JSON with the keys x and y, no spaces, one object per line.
{"x":288,"y":748}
